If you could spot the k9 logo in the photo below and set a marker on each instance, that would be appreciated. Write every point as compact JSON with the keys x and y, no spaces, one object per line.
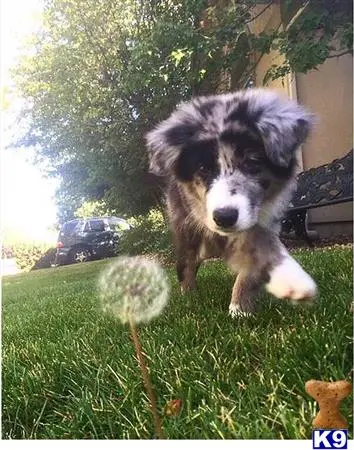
{"x":322,"y":439}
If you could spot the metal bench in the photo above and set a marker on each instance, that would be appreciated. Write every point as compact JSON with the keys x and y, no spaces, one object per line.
{"x":325,"y":185}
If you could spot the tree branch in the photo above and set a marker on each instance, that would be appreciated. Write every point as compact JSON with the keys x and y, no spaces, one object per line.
{"x":299,"y":12}
{"x":259,"y":14}
{"x":345,"y":52}
{"x":246,"y":77}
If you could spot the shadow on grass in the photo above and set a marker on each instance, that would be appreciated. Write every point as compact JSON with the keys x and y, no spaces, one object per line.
{"x":46,"y":260}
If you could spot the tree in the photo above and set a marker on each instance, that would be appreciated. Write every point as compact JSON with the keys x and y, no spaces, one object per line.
{"x":101,"y":73}
{"x":314,"y":31}
{"x":92,"y":209}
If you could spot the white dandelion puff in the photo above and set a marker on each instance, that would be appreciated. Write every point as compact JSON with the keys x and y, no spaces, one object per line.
{"x":134,"y":289}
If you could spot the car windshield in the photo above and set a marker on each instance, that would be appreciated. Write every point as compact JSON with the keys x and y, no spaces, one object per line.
{"x":68,"y":228}
{"x":97,"y":225}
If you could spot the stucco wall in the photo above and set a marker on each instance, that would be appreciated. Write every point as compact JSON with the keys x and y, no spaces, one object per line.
{"x":328,"y":92}
{"x":269,"y":20}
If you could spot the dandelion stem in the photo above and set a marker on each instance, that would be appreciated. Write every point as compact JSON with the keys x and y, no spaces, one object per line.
{"x":147,"y":380}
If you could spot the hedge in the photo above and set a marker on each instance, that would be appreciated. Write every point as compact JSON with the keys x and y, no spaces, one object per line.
{"x":29,"y":256}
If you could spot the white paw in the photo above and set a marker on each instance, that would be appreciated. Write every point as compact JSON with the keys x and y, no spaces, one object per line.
{"x":235,"y":311}
{"x":289,"y":280}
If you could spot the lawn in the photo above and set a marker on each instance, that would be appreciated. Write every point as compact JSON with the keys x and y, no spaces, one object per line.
{"x":70,"y":372}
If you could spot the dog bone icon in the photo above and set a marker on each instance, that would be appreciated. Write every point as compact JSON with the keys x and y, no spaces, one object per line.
{"x":329,"y":396}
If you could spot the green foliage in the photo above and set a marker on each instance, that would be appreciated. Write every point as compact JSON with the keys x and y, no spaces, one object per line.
{"x":99,"y":75}
{"x":150,"y":235}
{"x":30,"y":256}
{"x":319,"y":30}
{"x":93,"y":208}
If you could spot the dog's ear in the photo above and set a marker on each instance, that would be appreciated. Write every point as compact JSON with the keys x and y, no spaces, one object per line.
{"x":167,"y":139}
{"x":282,"y":124}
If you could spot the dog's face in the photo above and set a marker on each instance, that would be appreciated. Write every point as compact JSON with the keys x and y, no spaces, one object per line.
{"x":230,"y":153}
{"x":228,"y":176}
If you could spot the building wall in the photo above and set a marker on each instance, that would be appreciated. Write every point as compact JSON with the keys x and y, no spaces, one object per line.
{"x":328,"y":92}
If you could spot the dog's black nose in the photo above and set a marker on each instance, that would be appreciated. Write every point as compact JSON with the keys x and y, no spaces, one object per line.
{"x":225,"y":217}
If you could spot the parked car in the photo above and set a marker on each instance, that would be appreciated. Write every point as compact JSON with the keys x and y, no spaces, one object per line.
{"x":81,"y":240}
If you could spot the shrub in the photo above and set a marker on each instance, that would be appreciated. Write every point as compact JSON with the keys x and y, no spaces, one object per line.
{"x":30,"y":255}
{"x":46,"y":260}
{"x":149,"y":235}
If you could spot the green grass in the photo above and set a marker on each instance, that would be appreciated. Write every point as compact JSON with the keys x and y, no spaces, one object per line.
{"x":70,"y":371}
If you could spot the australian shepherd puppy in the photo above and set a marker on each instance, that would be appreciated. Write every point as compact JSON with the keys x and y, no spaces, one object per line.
{"x":230,"y":165}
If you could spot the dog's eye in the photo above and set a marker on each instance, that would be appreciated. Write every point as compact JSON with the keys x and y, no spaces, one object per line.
{"x":202,"y":169}
{"x":251,"y":165}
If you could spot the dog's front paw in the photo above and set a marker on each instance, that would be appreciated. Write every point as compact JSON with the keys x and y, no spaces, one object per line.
{"x":289,"y":280}
{"x":236,"y":311}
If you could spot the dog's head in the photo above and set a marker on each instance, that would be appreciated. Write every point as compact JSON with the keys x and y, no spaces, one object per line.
{"x":229,"y":152}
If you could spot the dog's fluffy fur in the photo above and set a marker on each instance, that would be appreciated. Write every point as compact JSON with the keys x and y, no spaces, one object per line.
{"x":230,"y":161}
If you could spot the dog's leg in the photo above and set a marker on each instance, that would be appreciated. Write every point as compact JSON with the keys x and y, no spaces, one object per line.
{"x":187,"y":247}
{"x":187,"y":268}
{"x":288,"y":280}
{"x":263,"y":260}
{"x":285,"y":277}
{"x":244,"y":294}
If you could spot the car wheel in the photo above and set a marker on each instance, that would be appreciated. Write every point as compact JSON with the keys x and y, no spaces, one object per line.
{"x":80,"y":255}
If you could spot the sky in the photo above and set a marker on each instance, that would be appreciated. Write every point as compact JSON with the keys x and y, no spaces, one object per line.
{"x":27,"y":203}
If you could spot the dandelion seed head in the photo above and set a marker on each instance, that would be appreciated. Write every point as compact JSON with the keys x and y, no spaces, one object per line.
{"x":133,"y":288}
